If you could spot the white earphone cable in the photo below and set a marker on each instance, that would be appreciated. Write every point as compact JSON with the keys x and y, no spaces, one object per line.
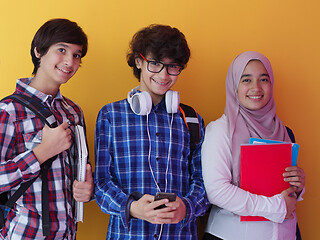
{"x":169,"y":151}
{"x":168,"y":162}
{"x":149,"y":155}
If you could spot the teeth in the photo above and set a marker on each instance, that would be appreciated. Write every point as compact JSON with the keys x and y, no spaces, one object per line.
{"x":255,"y":97}
{"x":65,"y":71}
{"x":163,"y":84}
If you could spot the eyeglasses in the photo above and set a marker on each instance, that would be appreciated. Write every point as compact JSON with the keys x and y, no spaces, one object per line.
{"x":156,"y":67}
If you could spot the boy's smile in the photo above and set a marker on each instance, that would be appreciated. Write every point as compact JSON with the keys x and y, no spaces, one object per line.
{"x":65,"y":71}
{"x":156,"y":84}
{"x":58,"y":65}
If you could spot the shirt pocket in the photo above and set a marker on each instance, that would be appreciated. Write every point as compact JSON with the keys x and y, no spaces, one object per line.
{"x":31,"y":131}
{"x":28,"y":131}
{"x":32,"y":139}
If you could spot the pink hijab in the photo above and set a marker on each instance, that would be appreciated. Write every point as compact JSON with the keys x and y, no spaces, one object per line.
{"x":244,"y":123}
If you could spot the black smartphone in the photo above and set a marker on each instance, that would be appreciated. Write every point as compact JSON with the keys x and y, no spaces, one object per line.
{"x":164,"y":195}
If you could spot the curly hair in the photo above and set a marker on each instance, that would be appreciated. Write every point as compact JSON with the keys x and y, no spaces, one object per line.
{"x":161,"y":41}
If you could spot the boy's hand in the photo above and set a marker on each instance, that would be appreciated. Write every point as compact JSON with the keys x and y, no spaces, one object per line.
{"x":82,"y":191}
{"x":54,"y":141}
{"x":144,"y":208}
{"x":176,"y":211}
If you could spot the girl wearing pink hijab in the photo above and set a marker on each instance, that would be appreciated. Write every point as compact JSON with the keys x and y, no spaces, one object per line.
{"x":249,"y":112}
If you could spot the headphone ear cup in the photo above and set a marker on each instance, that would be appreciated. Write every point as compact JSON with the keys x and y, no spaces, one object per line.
{"x":145,"y":103}
{"x":140,"y":102}
{"x":172,"y":101}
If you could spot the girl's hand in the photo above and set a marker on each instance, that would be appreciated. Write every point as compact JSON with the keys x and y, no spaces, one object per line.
{"x":290,"y":201}
{"x":296,"y":177}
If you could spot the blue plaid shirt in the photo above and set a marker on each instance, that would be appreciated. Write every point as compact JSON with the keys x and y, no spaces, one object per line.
{"x":122,"y":168}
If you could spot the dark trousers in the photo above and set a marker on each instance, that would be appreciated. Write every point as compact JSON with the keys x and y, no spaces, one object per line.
{"x":208,"y":236}
{"x":298,"y":233}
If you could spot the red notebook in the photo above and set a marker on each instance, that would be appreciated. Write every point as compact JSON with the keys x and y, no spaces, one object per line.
{"x":262,"y":166}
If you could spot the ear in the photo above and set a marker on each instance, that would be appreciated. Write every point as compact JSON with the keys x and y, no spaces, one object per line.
{"x":138,"y":62}
{"x":36,"y":53}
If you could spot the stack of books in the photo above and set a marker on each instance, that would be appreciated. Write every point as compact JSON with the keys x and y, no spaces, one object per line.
{"x":263,"y":163}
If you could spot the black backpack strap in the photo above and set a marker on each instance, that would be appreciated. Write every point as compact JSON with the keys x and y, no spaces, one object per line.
{"x":42,"y":111}
{"x":190,"y":118}
{"x":293,"y":139}
{"x":46,"y":116}
{"x":45,"y":196}
{"x":291,"y":135}
{"x":12,"y":200}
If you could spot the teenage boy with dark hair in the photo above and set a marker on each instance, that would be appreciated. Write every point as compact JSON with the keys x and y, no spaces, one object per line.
{"x":142,"y":147}
{"x":25,"y":143}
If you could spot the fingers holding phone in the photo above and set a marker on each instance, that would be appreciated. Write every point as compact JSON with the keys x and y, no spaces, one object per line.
{"x":176,"y":209}
{"x":164,"y":195}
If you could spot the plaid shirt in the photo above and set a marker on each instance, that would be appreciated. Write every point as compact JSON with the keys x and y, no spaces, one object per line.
{"x":122,"y":168}
{"x":20,"y":132}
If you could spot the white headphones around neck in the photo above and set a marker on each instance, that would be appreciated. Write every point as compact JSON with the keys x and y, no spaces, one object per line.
{"x":141,"y":102}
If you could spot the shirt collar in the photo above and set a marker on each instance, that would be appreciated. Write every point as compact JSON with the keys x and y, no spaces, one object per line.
{"x":161,"y":105}
{"x":23,"y":86}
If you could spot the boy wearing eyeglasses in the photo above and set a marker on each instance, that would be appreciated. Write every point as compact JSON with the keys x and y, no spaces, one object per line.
{"x":142,"y":147}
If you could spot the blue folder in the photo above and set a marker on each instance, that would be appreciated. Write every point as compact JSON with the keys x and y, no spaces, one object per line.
{"x":294,"y":153}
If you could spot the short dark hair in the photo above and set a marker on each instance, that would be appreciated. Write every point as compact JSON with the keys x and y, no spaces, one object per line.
{"x":54,"y":31}
{"x":161,"y":41}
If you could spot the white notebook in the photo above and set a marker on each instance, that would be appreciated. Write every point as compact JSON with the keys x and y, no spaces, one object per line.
{"x":81,"y":166}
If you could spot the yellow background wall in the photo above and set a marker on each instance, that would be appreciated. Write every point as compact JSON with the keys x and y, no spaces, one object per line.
{"x":286,"y":31}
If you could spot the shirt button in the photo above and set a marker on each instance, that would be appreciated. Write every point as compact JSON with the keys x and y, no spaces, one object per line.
{"x":155,"y":236}
{"x":157,"y":134}
{"x":157,"y":158}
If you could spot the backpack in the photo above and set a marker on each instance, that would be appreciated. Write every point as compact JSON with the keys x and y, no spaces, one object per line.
{"x":44,"y":113}
{"x":190,"y":117}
